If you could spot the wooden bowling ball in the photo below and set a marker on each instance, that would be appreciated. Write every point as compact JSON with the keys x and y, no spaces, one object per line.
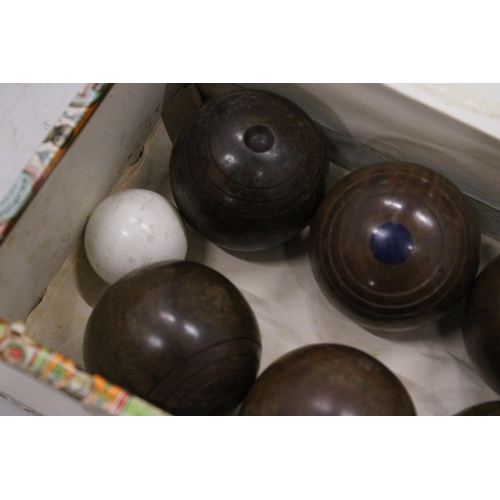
{"x":481,"y":324}
{"x":394,"y":246}
{"x":327,"y":379}
{"x":249,"y":170}
{"x":490,"y":409}
{"x":179,"y":335}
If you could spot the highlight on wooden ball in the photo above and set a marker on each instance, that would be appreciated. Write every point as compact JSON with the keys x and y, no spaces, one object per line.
{"x":394,"y":246}
{"x":248,"y":171}
{"x":329,"y":380}
{"x":178,"y":334}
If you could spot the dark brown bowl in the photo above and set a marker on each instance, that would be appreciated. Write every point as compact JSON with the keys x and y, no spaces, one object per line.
{"x":330,"y":380}
{"x":249,"y":170}
{"x":394,"y":246}
{"x":178,"y":334}
{"x":481,"y":324}
{"x":490,"y":409}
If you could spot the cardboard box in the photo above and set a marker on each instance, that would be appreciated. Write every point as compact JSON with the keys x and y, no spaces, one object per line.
{"x":46,"y":281}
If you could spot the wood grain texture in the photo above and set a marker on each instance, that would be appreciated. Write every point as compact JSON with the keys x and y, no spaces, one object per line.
{"x":179,"y":335}
{"x":401,"y":282}
{"x":327,"y":379}
{"x":248,"y":172}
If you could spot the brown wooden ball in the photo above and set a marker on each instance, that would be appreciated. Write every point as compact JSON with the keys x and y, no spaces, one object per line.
{"x":481,"y":324}
{"x":327,"y":379}
{"x":394,"y":246}
{"x":178,"y":334}
{"x":249,"y":170}
{"x":490,"y":409}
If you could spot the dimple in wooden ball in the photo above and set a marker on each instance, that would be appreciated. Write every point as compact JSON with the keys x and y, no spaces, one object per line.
{"x":481,"y":324}
{"x":394,"y":246}
{"x":131,"y":229}
{"x":327,"y":379}
{"x":178,"y":334}
{"x":249,"y":170}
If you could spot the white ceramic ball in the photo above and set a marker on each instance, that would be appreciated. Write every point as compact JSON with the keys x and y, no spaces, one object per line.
{"x":131,"y":229}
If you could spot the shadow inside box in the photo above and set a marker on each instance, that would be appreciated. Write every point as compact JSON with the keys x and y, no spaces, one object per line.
{"x":447,"y":327}
{"x":90,"y":285}
{"x":294,"y":248}
{"x":197,"y":245}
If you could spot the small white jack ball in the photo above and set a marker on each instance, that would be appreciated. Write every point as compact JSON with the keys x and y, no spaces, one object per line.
{"x":131,"y":229}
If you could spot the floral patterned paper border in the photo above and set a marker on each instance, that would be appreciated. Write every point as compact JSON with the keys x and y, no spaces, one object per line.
{"x":48,"y":154}
{"x":51,"y":367}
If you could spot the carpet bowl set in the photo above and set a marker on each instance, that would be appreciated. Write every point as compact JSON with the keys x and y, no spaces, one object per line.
{"x":393,"y":246}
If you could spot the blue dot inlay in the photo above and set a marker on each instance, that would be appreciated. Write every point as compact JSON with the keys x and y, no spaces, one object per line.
{"x":391,"y":243}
